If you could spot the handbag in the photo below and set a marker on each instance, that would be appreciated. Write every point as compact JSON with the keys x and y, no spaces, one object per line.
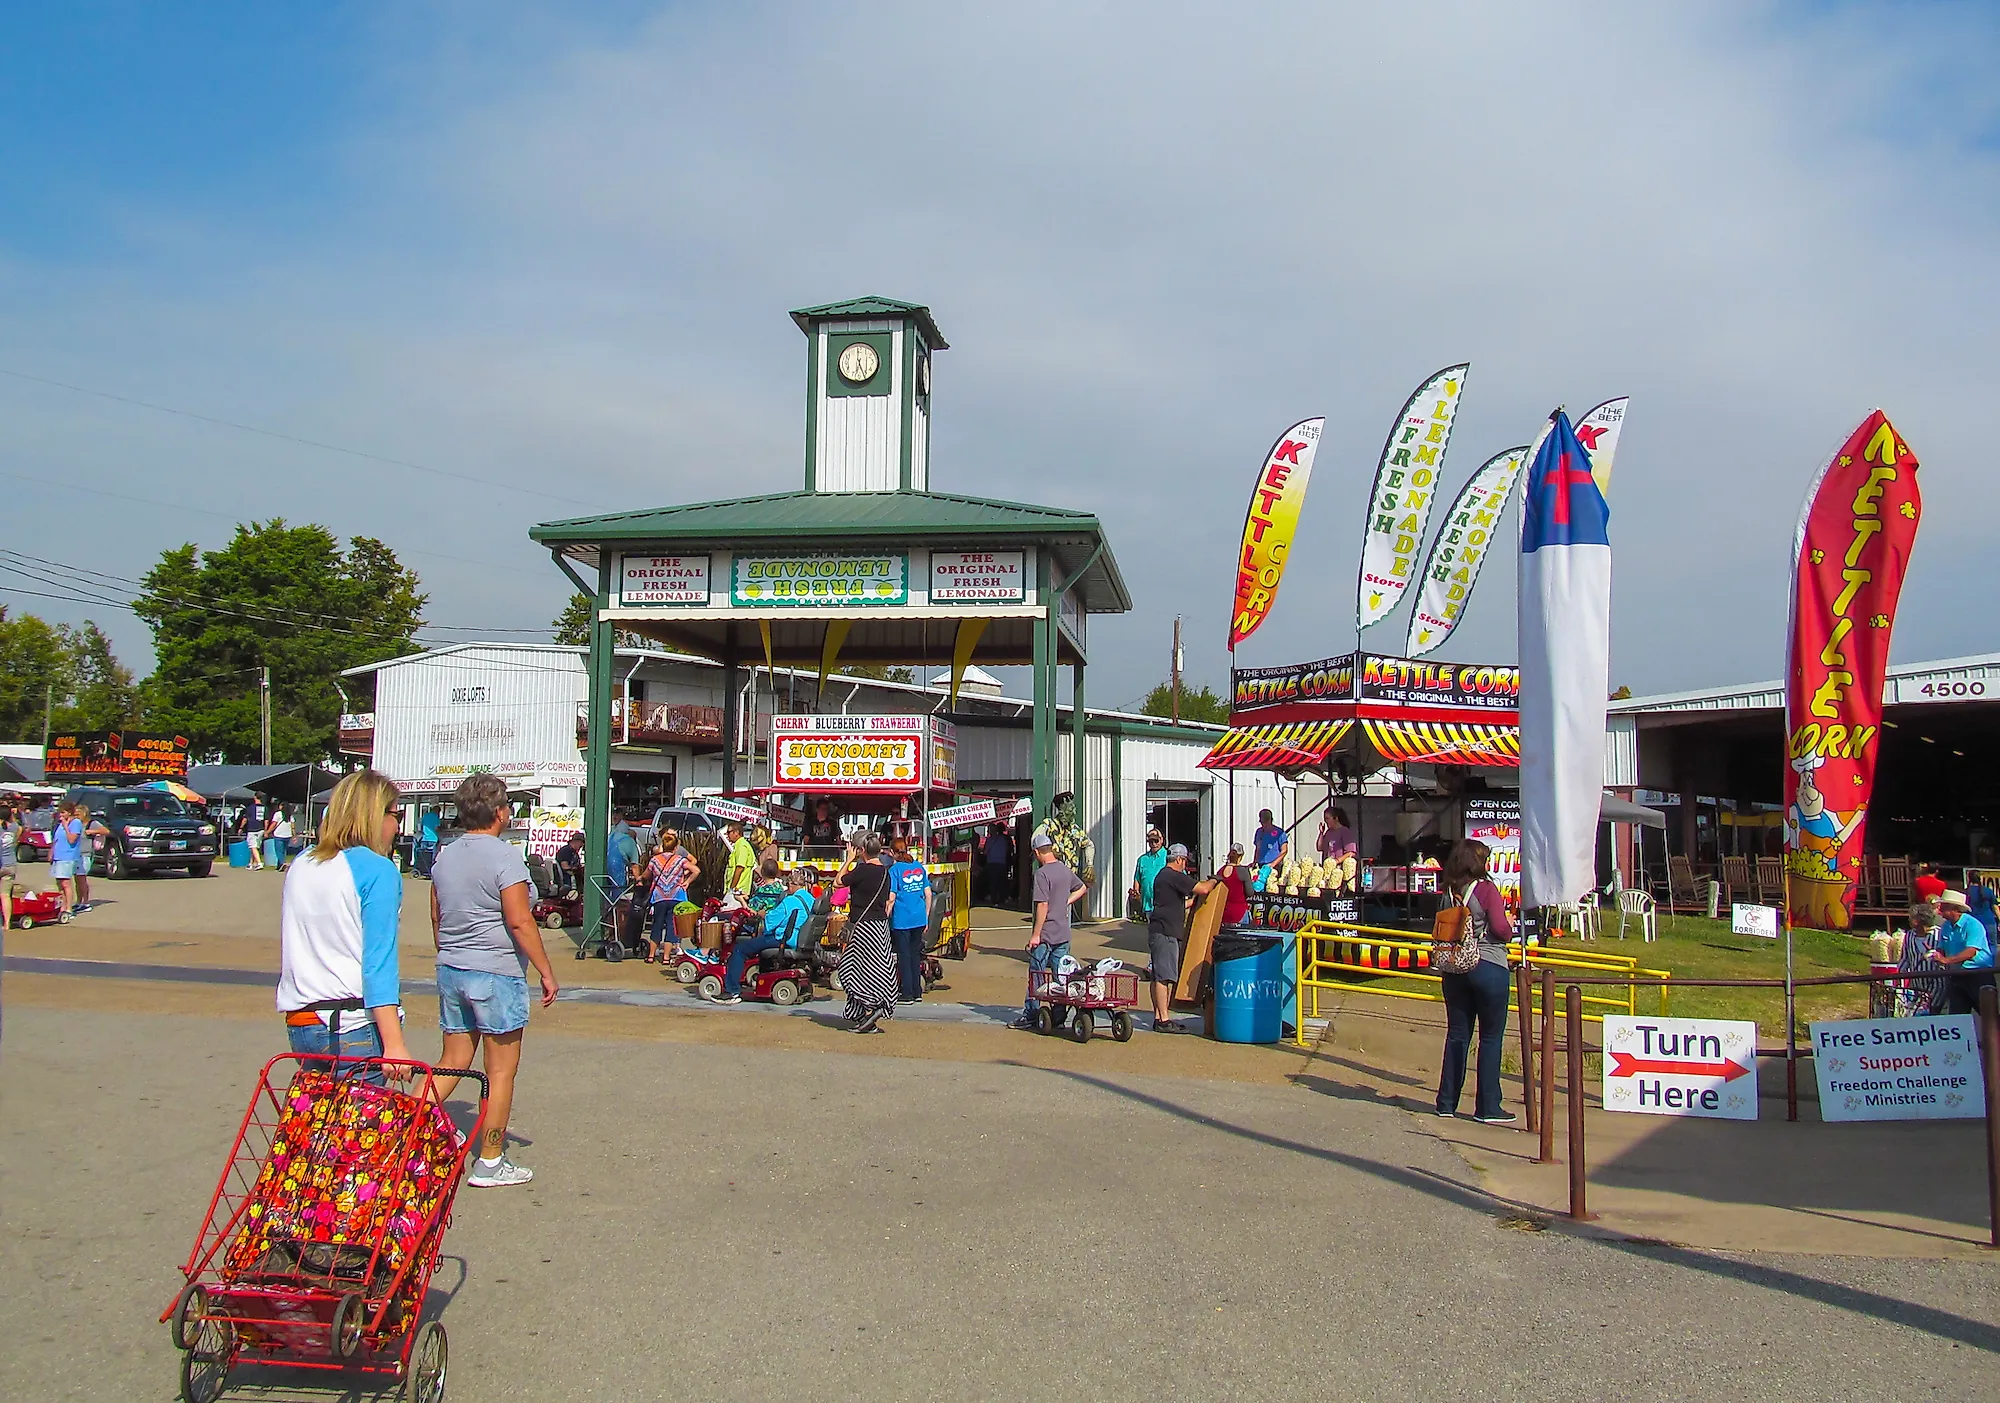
{"x":1454,"y":942}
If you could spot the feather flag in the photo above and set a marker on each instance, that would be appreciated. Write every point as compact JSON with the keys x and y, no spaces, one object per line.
{"x":1598,"y":432}
{"x":1565,"y":630}
{"x":1463,"y":538}
{"x":1270,"y":524}
{"x":1406,"y":486}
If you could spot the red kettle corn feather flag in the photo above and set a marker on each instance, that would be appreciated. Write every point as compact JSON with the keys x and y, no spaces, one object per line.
{"x":1270,"y":524}
{"x":1852,"y":545}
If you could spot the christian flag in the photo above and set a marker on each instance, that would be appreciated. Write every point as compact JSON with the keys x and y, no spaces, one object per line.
{"x":1565,"y":632}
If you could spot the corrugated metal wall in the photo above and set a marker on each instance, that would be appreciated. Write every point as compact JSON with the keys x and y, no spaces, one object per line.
{"x":478,"y":706}
{"x":860,"y":436}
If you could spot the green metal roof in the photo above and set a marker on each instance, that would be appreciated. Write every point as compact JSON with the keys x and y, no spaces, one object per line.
{"x":886,"y":308}
{"x":791,"y":518}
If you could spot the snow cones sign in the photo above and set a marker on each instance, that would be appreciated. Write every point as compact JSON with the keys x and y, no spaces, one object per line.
{"x":1268,"y":528}
{"x":1853,"y":543}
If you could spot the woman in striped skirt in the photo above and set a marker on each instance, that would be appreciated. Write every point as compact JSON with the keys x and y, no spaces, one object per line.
{"x":867,"y":962}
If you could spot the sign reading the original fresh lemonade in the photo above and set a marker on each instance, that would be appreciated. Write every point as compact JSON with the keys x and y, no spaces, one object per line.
{"x":818,"y":580}
{"x":663,"y":579}
{"x":977,"y":577}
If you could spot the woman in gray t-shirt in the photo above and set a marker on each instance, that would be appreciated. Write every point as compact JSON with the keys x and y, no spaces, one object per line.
{"x":483,"y":922}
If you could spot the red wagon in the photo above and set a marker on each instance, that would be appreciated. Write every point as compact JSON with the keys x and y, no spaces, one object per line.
{"x":1077,"y":998}
{"x":322,"y":1235}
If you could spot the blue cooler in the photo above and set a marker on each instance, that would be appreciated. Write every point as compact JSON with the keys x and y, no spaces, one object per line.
{"x":239,"y":853}
{"x":1250,"y":976}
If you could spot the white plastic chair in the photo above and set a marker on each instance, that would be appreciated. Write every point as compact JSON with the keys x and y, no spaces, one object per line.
{"x":1633,"y":902}
{"x":1588,"y":916}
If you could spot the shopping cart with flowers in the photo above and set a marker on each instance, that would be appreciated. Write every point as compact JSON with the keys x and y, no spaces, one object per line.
{"x":320,"y":1240}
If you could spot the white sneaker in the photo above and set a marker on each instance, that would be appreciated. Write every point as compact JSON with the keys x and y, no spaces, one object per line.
{"x":499,"y":1176}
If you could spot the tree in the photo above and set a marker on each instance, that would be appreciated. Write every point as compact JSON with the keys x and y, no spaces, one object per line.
{"x":879,"y":672}
{"x":572,"y":627}
{"x":278,"y":596}
{"x":1197,"y":704}
{"x":65,"y":673}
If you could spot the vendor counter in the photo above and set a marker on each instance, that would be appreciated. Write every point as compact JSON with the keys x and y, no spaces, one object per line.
{"x":952,"y":881}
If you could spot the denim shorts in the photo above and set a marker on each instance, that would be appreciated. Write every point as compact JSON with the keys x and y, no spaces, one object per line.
{"x":359,"y":1037}
{"x":63,"y":869}
{"x":473,"y":1001}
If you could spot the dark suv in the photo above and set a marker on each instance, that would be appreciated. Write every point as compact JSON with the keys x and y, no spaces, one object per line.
{"x":150,"y":830}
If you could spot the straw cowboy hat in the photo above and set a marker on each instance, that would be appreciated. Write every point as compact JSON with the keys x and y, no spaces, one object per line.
{"x":1952,"y":898}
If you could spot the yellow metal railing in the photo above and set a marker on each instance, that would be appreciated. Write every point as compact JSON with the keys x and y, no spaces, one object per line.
{"x":1346,"y":958}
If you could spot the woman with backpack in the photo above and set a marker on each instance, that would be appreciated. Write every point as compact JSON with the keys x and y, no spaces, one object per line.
{"x":1478,"y":993}
{"x":669,"y":874}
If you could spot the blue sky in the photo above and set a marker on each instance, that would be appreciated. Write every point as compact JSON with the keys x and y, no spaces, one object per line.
{"x":551,"y":247}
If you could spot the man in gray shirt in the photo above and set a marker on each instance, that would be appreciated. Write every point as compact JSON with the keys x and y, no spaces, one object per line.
{"x":1057,"y":889}
{"x":483,"y":921}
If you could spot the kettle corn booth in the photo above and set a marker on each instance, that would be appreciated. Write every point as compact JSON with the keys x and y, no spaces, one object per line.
{"x":864,"y":565}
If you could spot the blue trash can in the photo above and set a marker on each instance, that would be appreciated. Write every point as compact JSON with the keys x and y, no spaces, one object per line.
{"x":1250,"y":978}
{"x":274,"y":852}
{"x":239,"y":853}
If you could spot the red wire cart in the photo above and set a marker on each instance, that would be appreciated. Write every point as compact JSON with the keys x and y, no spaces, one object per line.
{"x":320,"y":1240}
{"x":1077,"y":999}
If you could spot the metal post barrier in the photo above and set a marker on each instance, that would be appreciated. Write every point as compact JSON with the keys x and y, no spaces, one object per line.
{"x":1573,"y":999}
{"x":1547,"y":1122}
{"x":1989,"y":1048}
{"x":1524,"y":1002}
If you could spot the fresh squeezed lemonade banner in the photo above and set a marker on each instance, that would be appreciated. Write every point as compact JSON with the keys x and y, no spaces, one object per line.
{"x":1460,"y":550}
{"x":1406,"y":484}
{"x":1270,"y":525}
{"x":1853,"y":543}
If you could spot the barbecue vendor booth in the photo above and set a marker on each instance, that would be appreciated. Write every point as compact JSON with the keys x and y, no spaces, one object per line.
{"x":1415,"y":754}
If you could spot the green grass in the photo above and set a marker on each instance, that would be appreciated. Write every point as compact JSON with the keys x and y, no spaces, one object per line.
{"x":1694,"y":947}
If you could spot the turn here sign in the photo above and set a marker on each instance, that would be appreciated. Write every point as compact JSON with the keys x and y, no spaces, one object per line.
{"x":1680,"y":1067}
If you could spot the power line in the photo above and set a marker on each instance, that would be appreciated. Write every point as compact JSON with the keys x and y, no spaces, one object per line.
{"x":284,"y":437}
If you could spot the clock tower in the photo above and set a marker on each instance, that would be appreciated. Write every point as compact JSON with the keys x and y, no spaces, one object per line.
{"x":868,"y":395}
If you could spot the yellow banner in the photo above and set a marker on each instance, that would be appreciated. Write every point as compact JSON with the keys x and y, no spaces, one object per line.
{"x":1271,"y":523}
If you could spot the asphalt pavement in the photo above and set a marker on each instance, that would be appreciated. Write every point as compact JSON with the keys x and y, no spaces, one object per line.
{"x":743,"y":1222}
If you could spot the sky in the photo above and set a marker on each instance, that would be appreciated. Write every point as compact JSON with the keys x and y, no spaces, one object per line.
{"x":540,"y":258}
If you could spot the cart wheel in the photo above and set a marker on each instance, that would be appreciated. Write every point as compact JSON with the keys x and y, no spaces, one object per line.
{"x":710,"y":986}
{"x":1045,"y":1020}
{"x":188,"y":1311}
{"x":1080,"y":1024}
{"x":1121,"y":1026}
{"x":24,"y":923}
{"x":203,"y":1376}
{"x":348,"y":1319}
{"x":64,"y":918}
{"x":424,"y":1383}
{"x":687,"y":971}
{"x":553,"y":920}
{"x":614,"y":950}
{"x":788,"y":992}
{"x":581,"y":953}
{"x":833,"y":982}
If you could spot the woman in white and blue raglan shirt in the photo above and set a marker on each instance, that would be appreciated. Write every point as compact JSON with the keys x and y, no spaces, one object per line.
{"x":343,"y":904}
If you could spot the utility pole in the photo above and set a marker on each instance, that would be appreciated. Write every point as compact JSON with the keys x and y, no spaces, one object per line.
{"x":264,"y":708}
{"x":1177,"y":669}
{"x":48,"y":709}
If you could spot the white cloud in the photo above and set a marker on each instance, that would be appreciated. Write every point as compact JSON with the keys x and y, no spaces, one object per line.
{"x":1155,"y":234}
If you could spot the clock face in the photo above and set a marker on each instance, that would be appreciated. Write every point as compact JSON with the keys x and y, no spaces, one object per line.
{"x":923,"y":375}
{"x":858,"y":363}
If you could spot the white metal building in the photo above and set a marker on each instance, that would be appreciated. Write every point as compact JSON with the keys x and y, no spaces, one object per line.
{"x":517,"y":710}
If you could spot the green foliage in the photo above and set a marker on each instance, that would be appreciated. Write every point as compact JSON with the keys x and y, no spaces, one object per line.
{"x":1197,"y":703}
{"x":72,"y":667}
{"x":879,"y":672}
{"x":286,"y":597}
{"x":572,"y":625}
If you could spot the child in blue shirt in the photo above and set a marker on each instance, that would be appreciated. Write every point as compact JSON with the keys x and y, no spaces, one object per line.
{"x":909,"y":918}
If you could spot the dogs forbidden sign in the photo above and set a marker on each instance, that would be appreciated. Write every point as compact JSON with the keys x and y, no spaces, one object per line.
{"x":1681,"y":1067}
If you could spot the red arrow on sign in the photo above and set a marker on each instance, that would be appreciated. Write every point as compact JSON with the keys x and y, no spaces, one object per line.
{"x":1626,"y":1064}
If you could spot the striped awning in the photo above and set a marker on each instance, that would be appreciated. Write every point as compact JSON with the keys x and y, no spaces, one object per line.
{"x":1288,"y":745}
{"x":1445,"y":742}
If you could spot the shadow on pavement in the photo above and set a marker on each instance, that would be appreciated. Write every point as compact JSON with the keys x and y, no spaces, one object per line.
{"x":1942,"y":1324}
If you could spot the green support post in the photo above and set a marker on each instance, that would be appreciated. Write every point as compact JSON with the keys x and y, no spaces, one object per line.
{"x":732,"y":709}
{"x":1044,"y":766}
{"x":596,"y":797}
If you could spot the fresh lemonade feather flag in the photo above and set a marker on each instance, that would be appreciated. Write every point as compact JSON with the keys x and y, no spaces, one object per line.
{"x":1468,"y":531}
{"x":1565,"y":632}
{"x":1406,"y":486}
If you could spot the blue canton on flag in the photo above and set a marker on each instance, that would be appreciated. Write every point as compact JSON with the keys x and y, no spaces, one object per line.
{"x":1563,"y":506}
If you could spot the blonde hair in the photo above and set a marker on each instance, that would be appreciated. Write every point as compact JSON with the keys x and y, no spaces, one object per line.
{"x":354,"y":815}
